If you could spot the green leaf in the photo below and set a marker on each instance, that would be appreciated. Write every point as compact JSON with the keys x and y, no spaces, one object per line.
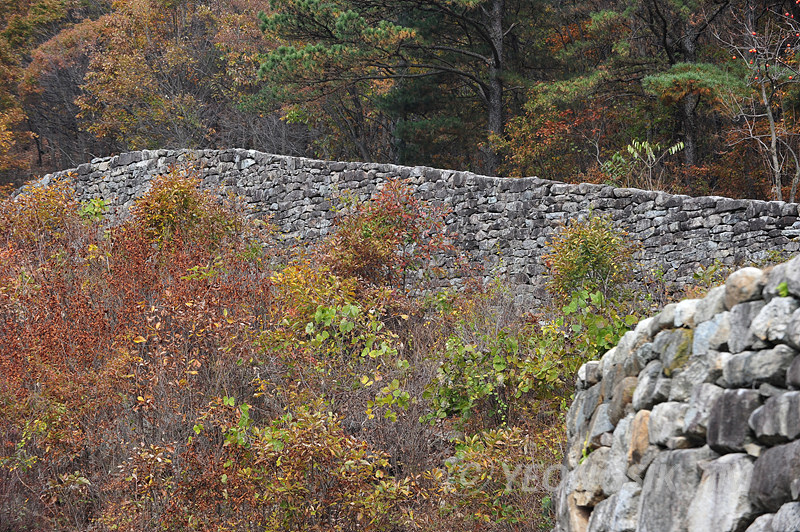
{"x":783,"y":289}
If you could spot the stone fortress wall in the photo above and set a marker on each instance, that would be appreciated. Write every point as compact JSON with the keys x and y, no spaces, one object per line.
{"x":692,"y":422}
{"x":500,"y":223}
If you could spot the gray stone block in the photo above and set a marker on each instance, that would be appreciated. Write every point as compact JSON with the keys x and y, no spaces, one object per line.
{"x":666,"y":421}
{"x":778,"y":419}
{"x":756,"y":367}
{"x":695,"y":422}
{"x":741,"y":316}
{"x":787,"y":518}
{"x":774,"y":472}
{"x":723,"y":435}
{"x":618,"y":513}
{"x":743,"y":285}
{"x":721,"y":502}
{"x":669,"y":487}
{"x":772,"y":322}
{"x":651,"y":388}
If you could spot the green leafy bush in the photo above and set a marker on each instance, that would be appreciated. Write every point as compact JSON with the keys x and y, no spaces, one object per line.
{"x":592,"y":255}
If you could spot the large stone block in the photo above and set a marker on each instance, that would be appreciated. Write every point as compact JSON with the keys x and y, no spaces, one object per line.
{"x":666,"y":421}
{"x":740,"y":337}
{"x":582,"y":409}
{"x":721,"y":502}
{"x":778,"y":420}
{"x":756,"y":367}
{"x":669,"y":488}
{"x":617,"y":460}
{"x":724,"y":433}
{"x":675,"y":347}
{"x":712,"y":334}
{"x":787,"y":519}
{"x":695,"y":373}
{"x":774,"y":472}
{"x":793,"y":374}
{"x":618,"y":513}
{"x":772,"y":322}
{"x":710,"y":306}
{"x":599,"y":425}
{"x":621,"y":399}
{"x":743,"y":285}
{"x":761,"y":524}
{"x":695,"y":423}
{"x":589,"y":476}
{"x":651,"y":387}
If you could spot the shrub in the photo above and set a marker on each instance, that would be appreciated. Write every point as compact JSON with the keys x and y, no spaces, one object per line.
{"x":592,"y":255}
{"x":176,"y":205}
{"x":383,"y":240}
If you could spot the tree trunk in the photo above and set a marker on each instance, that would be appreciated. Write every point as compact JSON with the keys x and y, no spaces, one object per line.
{"x":689,"y":129}
{"x":773,"y":146}
{"x":496,"y":118}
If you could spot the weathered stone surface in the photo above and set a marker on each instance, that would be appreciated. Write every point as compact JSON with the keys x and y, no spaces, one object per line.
{"x":710,"y":306}
{"x":643,"y":356}
{"x":787,"y":519}
{"x":793,"y":374}
{"x":617,"y":459}
{"x":743,"y":285}
{"x":621,"y":399}
{"x":793,"y":330}
{"x":684,"y":313}
{"x":695,"y":373}
{"x":756,"y":367}
{"x":712,"y":334}
{"x":721,"y":502}
{"x":772,"y":321}
{"x":618,"y":513}
{"x":724,"y":436}
{"x":695,"y":423}
{"x":600,"y":424}
{"x":774,"y":472}
{"x":613,"y":357}
{"x":639,"y":438}
{"x":675,"y":348}
{"x":588,"y":478}
{"x":583,"y":408}
{"x":740,"y":318}
{"x":570,"y":516}
{"x":761,"y":524}
{"x":589,"y":374}
{"x":791,"y":276}
{"x":669,"y":488}
{"x":774,"y":276}
{"x":648,"y":391}
{"x":778,"y":420}
{"x":663,"y":320}
{"x":666,"y":421}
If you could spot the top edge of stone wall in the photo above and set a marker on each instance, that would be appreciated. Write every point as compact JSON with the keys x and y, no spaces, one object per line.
{"x":426,"y":173}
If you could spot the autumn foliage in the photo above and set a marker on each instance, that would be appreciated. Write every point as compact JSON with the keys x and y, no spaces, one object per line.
{"x":182,"y":371}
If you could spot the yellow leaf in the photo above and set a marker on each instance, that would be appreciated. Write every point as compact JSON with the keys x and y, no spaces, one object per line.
{"x":139,"y":340}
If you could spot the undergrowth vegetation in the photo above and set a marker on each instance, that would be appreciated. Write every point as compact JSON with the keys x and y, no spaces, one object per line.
{"x":181,"y":371}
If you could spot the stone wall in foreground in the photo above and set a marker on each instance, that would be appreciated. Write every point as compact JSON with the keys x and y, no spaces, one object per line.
{"x":501,"y":223}
{"x":692,"y":422}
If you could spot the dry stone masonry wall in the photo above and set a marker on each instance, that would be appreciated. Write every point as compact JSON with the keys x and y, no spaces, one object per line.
{"x":501,"y":223}
{"x":692,"y":422}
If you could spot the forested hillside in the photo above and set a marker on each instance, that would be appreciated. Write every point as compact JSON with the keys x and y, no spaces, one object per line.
{"x":697,"y":97}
